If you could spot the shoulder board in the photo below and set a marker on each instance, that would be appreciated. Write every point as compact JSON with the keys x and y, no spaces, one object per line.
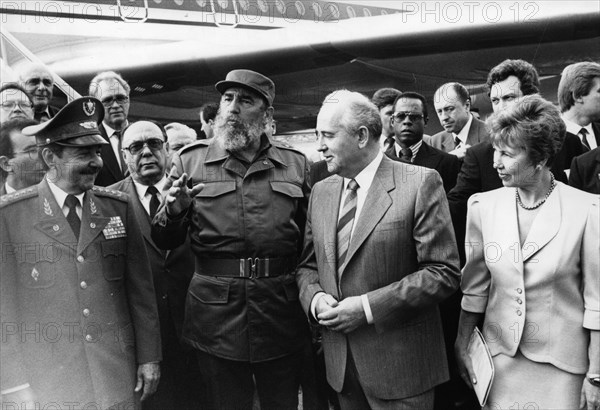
{"x":286,"y":146}
{"x":199,"y":143}
{"x":111,"y":193}
{"x":8,"y":199}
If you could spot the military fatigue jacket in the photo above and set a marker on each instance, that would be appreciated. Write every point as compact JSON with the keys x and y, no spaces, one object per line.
{"x":255,"y":210}
{"x":77,"y":316}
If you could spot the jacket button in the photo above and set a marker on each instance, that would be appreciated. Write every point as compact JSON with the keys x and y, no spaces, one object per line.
{"x":92,"y":225}
{"x":88,"y":338}
{"x":519,"y":313}
{"x":80,"y":258}
{"x":519,"y":301}
{"x":519,"y":291}
{"x":164,"y":297}
{"x":83,"y":285}
{"x":56,"y":228}
{"x":86,"y":312}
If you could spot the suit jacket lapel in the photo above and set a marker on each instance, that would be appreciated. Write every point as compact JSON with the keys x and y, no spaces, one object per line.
{"x":140,"y":213}
{"x":92,"y":221}
{"x":448,"y":142}
{"x":376,"y":205}
{"x":507,"y":231}
{"x":542,"y":231}
{"x":108,"y":157}
{"x":331,"y":210}
{"x":52,"y":221}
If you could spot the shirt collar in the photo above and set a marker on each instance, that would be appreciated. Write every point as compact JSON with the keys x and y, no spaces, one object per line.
{"x":141,"y":188}
{"x":413,"y":148}
{"x":364,"y":179}
{"x":61,"y":195}
{"x":110,"y":131}
{"x":464,"y":133}
{"x":574,"y":128}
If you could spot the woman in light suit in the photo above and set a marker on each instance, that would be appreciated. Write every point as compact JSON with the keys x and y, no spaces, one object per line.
{"x":533,"y":271}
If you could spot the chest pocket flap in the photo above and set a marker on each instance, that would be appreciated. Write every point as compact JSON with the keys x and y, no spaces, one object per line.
{"x":215,"y":189}
{"x":287,"y":188}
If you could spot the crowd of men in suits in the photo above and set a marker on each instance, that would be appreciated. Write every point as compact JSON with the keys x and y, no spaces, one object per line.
{"x":212,"y":262}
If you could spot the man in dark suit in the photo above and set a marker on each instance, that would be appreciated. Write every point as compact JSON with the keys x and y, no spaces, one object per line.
{"x":76,"y":273}
{"x":146,"y":157}
{"x":20,"y":166}
{"x":461,"y":130}
{"x":113,"y":91}
{"x":579,"y":101}
{"x":376,"y":288}
{"x":37,"y":79}
{"x":408,"y":121}
{"x":585,"y":172}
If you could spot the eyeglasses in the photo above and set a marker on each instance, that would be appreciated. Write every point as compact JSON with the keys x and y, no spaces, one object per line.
{"x":412,"y":116}
{"x":10,"y":105}
{"x":32,"y":153}
{"x":119,"y":98}
{"x":154,"y":144}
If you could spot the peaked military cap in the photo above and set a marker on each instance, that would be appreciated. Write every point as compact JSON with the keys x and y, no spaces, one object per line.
{"x":248,"y":79}
{"x":76,"y":125}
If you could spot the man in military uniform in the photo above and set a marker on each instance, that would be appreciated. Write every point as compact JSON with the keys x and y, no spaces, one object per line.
{"x":246,"y":215}
{"x":79,"y":320}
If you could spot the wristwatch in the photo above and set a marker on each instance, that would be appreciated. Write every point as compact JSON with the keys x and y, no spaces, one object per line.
{"x":594,"y":379}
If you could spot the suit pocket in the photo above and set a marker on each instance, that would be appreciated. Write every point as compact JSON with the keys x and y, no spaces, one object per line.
{"x":114,"y":252}
{"x":37,"y":276}
{"x":209,"y":290}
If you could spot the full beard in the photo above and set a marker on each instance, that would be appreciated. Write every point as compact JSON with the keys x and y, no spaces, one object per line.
{"x":239,"y":135}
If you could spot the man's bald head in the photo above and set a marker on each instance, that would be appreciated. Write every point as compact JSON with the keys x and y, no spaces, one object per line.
{"x":145,"y":151}
{"x":37,"y":79}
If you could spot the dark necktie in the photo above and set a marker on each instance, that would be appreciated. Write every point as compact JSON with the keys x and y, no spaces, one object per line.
{"x":390,"y":151}
{"x":154,"y":200}
{"x":406,"y":154}
{"x":41,"y":116}
{"x":344,"y":228}
{"x":71,"y":202}
{"x":457,"y":142}
{"x":583,"y":133}
{"x":120,"y":158}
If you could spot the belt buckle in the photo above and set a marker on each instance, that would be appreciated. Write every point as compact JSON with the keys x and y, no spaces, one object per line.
{"x":253,"y":266}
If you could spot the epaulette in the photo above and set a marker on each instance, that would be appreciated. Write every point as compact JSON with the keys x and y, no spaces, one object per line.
{"x":286,"y":146}
{"x":16,"y":196}
{"x":111,"y":193}
{"x":204,"y":143}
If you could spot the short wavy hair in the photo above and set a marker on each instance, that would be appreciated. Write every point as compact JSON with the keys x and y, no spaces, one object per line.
{"x":104,"y":76}
{"x":384,"y":97}
{"x":359,"y":111}
{"x":524,"y":71}
{"x":534,"y":125}
{"x":576,"y":81}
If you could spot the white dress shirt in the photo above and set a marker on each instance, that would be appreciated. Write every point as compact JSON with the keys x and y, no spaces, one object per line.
{"x":464,"y":133}
{"x":575,"y":128}
{"x":61,"y":196}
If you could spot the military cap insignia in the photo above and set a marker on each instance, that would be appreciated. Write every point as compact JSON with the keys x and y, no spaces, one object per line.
{"x":89,"y":108}
{"x":88,"y":125}
{"x":115,"y":228}
{"x":47,"y":208}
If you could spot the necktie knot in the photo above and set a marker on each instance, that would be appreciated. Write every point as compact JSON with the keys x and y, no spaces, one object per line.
{"x":457,"y":141}
{"x":151,"y":190}
{"x":406,"y":154}
{"x":352,"y":185}
{"x":71,"y":202}
{"x":583,"y":132}
{"x":154,"y":200}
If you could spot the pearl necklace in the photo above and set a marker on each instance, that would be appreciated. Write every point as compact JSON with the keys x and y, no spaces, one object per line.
{"x":536,"y":206}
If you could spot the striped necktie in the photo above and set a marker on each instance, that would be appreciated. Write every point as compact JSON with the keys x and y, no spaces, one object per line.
{"x":344,"y":228}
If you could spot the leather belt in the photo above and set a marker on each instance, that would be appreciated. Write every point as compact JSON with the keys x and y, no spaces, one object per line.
{"x":252,"y":268}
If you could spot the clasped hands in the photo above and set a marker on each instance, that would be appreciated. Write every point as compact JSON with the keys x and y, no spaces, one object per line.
{"x":344,"y":316}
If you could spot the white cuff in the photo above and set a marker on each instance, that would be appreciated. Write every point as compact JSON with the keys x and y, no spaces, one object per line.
{"x":367,"y":308}
{"x":313,"y":304}
{"x":16,"y":388}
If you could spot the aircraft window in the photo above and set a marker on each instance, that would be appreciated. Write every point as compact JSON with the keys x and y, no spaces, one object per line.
{"x":366,"y":12}
{"x":201,"y":3}
{"x":245,"y":4}
{"x":281,"y":6}
{"x":384,"y":12}
{"x":223,"y":4}
{"x":335,"y":12}
{"x":179,"y":2}
{"x":351,"y":12}
{"x":317,"y":9}
{"x":156,"y":1}
{"x":262,"y":4}
{"x":300,"y":8}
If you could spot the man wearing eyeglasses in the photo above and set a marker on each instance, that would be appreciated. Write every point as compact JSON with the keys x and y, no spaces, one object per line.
{"x":19,"y":162}
{"x":37,"y":79}
{"x":113,"y":91}
{"x":408,"y":120}
{"x":144,"y":146}
{"x":79,"y":320}
{"x":15,"y":102}
{"x":241,"y":198}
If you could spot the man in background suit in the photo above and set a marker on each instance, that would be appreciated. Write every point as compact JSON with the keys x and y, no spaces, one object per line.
{"x":146,"y":157}
{"x":20,"y":165}
{"x":113,"y":91}
{"x":37,"y":79}
{"x":585,"y":172}
{"x":384,"y":99}
{"x":408,"y":122}
{"x":377,"y":292}
{"x":579,"y":101}
{"x":461,"y":130}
